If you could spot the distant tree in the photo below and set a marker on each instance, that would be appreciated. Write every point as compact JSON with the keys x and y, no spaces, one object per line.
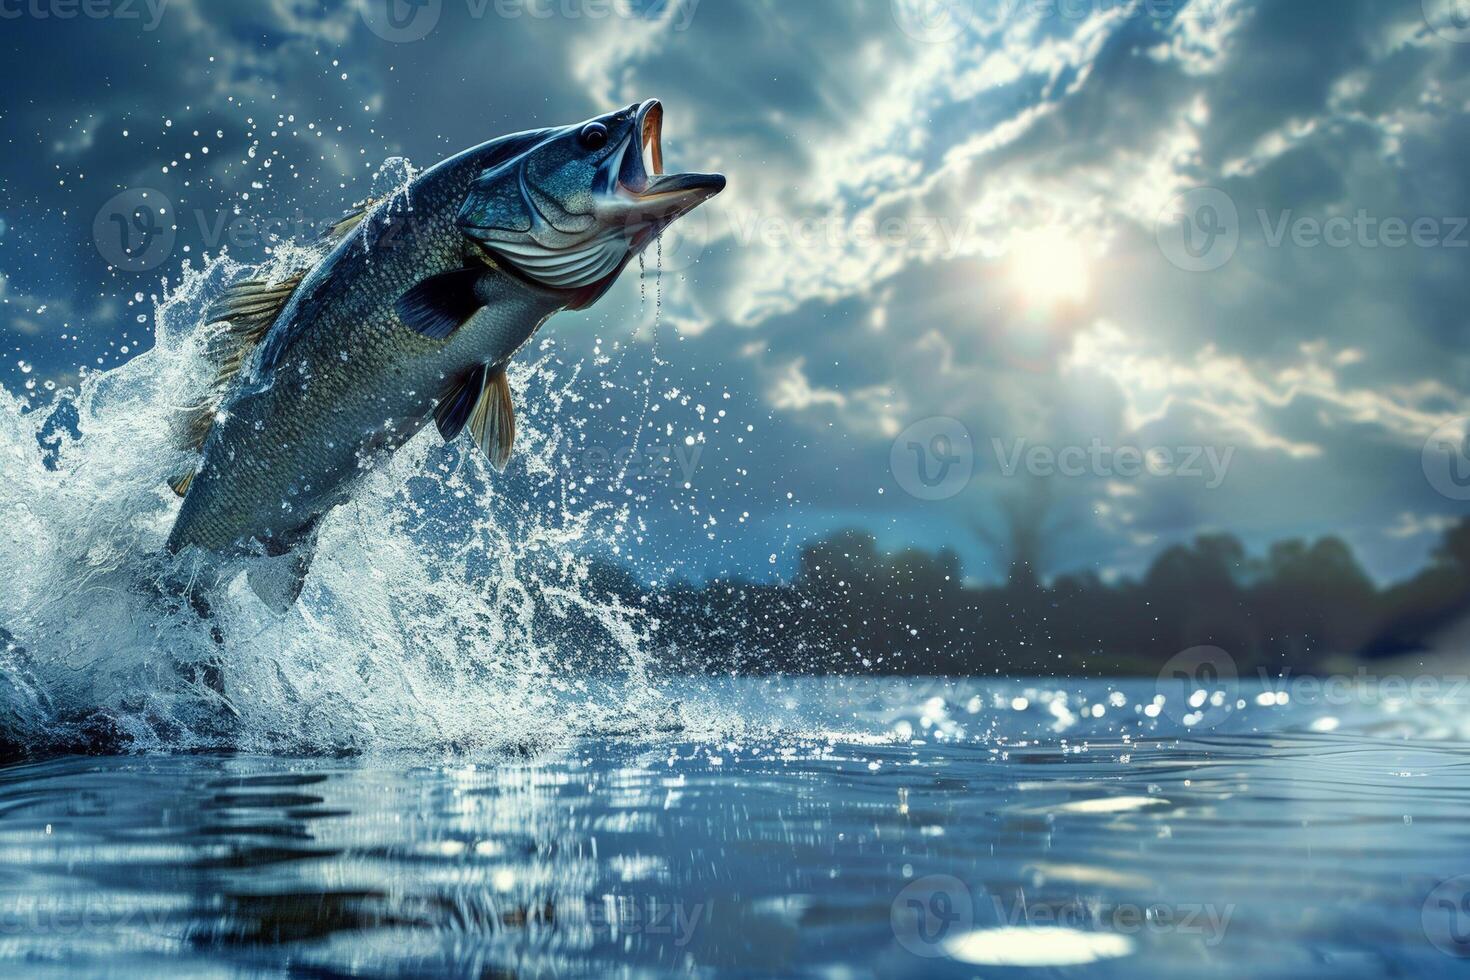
{"x":1455,"y":548}
{"x":1027,"y":531}
{"x":1413,"y":613}
{"x":847,"y":556}
{"x":854,"y":607}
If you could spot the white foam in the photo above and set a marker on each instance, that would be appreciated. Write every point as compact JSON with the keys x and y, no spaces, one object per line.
{"x":430,"y":618}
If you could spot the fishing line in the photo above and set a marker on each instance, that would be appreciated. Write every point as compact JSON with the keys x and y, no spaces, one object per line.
{"x":658,"y":293}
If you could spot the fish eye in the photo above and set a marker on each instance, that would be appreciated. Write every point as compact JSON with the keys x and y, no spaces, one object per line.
{"x":594,"y":136}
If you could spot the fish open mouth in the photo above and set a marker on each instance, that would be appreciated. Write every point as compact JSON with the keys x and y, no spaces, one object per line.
{"x":651,"y":126}
{"x":662,"y":197}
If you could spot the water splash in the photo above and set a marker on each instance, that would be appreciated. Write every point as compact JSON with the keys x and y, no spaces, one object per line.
{"x":389,"y":197}
{"x":441,"y":610}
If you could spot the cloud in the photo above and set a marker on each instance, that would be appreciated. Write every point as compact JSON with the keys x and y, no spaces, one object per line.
{"x":859,"y":275}
{"x":1410,"y":525}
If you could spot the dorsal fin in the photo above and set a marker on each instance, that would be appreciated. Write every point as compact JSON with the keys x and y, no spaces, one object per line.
{"x":350,"y":220}
{"x":237,"y":322}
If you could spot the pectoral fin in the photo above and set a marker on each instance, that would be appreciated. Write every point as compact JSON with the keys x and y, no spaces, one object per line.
{"x":438,"y":306}
{"x":481,"y":400}
{"x":459,"y":401}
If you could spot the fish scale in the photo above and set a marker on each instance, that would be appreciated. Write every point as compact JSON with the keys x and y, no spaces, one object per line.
{"x":313,"y":413}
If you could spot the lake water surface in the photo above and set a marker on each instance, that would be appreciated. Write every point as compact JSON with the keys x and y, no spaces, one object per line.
{"x":840,"y":829}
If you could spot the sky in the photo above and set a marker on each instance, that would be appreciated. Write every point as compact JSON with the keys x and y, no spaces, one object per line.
{"x":1171,"y":267}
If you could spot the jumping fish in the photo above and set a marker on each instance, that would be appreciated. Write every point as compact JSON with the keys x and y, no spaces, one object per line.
{"x":406,"y":321}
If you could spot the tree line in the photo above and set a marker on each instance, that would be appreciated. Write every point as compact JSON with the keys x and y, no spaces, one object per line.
{"x":854,"y":609}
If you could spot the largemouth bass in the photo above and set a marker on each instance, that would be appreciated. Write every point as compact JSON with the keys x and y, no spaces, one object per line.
{"x":412,"y":320}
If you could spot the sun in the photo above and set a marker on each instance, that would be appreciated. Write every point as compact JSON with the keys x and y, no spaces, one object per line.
{"x":1049,"y":270}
